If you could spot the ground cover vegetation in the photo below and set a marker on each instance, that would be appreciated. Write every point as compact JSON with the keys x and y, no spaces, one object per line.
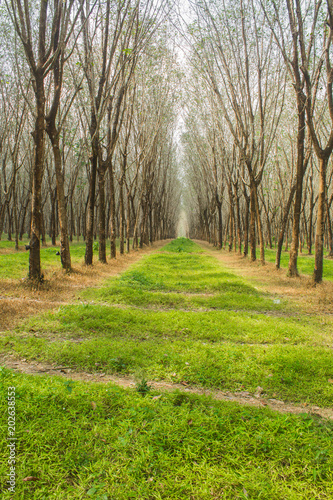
{"x":155,"y":322}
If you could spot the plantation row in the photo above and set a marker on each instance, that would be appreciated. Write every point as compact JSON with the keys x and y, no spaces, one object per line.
{"x":259,"y":138}
{"x":88,"y":117}
{"x":177,"y":316}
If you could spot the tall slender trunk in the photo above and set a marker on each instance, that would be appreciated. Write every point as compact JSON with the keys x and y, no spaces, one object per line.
{"x":9,"y":223}
{"x":246,"y":224}
{"x":329,"y":227}
{"x":71,"y":224}
{"x":292,"y":266}
{"x":252,"y":222}
{"x":283,"y":226}
{"x":231,"y":228}
{"x":37,"y":176}
{"x":238,"y":217}
{"x":121,"y":216}
{"x":16,"y":221}
{"x":101,"y":207}
{"x":23,"y":218}
{"x":319,"y":241}
{"x":62,"y":211}
{"x":113,"y":250}
{"x":219,"y":226}
{"x":43,"y":229}
{"x":128,"y":224}
{"x":89,"y":234}
{"x":259,"y":225}
{"x":310,"y":230}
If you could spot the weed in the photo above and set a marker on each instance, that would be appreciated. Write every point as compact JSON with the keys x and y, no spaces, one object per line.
{"x":142,"y":387}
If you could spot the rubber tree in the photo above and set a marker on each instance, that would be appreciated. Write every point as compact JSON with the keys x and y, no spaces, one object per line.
{"x":237,"y":58}
{"x":313,"y":68}
{"x":38,"y":28}
{"x":54,"y":126}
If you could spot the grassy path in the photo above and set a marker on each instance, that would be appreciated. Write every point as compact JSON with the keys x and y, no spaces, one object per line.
{"x":176,"y":317}
{"x":242,"y":397}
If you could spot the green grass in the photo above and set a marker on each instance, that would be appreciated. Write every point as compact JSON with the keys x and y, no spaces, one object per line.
{"x":98,"y":441}
{"x":15,"y":264}
{"x":184,"y":316}
{"x":182,"y":280}
{"x":178,"y":315}
{"x":305,"y":263}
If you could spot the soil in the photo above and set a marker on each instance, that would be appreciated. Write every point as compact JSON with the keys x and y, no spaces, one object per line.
{"x":245,"y":398}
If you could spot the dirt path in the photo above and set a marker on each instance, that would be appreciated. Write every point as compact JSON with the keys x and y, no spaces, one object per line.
{"x":245,"y":398}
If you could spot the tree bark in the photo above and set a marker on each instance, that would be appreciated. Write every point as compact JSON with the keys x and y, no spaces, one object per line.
{"x":292,"y":266}
{"x":102,"y":218}
{"x":252,"y":223}
{"x":113,"y":249}
{"x":319,"y":240}
{"x":89,"y":234}
{"x":62,"y":211}
{"x":37,"y":176}
{"x":283,"y":226}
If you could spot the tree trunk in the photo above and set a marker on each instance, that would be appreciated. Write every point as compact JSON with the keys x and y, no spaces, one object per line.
{"x":101,"y":207}
{"x":23,"y":218}
{"x":252,"y":222}
{"x":283,"y":226}
{"x":292,"y":266}
{"x":329,"y":227}
{"x":113,"y":249}
{"x":37,"y":176}
{"x":89,"y":234}
{"x":239,"y":230}
{"x":62,"y":211}
{"x":219,"y":227}
{"x":319,"y":241}
{"x":246,"y":225}
{"x":121,"y":216}
{"x":259,"y":225}
{"x":128,"y":224}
